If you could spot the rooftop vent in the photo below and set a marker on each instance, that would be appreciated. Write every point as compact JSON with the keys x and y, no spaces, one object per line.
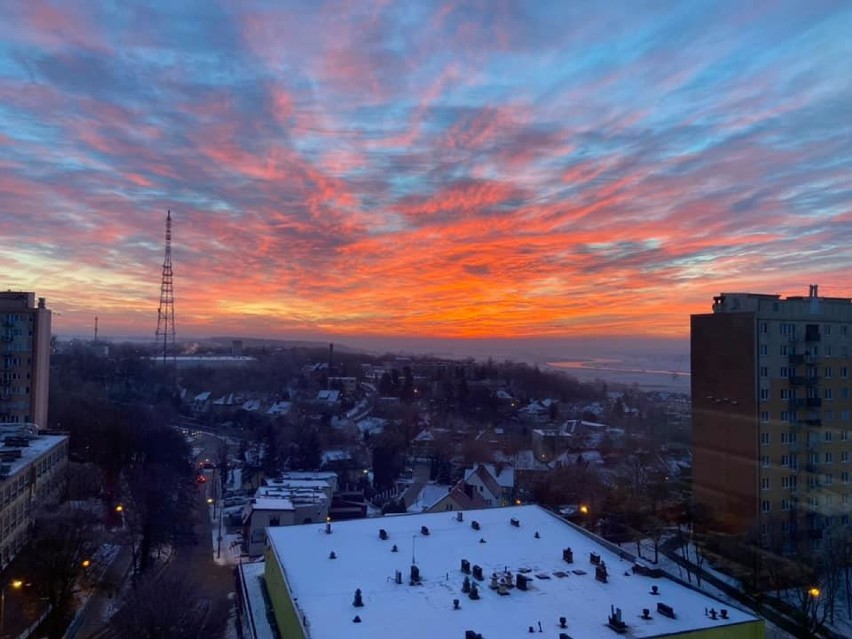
{"x":332,"y":555}
{"x":359,"y":602}
{"x":471,"y":634}
{"x":424,"y":530}
{"x":521,"y":581}
{"x":646,"y":614}
{"x":474,"y":592}
{"x":723,"y":613}
{"x":666,"y":610}
{"x":594,"y":558}
{"x":515,"y":522}
{"x":465,"y":566}
{"x":455,"y":604}
{"x":615,"y":621}
{"x":357,"y":619}
{"x":394,"y":548}
{"x":397,"y":577}
{"x":383,"y":534}
{"x":415,"y":575}
{"x":563,"y":622}
{"x":600,"y":572}
{"x":477,"y":572}
{"x":459,"y":515}
{"x":466,"y":585}
{"x":655,"y":590}
{"x":568,"y":555}
{"x":474,"y":524}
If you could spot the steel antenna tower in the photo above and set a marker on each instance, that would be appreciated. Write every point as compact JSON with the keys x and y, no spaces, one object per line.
{"x":165,"y":335}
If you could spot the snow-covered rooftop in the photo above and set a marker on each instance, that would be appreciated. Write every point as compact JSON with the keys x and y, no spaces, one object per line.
{"x":37,"y":446}
{"x":325,"y":587}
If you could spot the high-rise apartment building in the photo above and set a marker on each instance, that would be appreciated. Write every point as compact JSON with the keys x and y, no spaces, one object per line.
{"x":771,"y":413}
{"x":24,"y":358}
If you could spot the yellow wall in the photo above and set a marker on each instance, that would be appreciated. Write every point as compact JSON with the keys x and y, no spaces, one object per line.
{"x":748,"y":630}
{"x":286,"y":615}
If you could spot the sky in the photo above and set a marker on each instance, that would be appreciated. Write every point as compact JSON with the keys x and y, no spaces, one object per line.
{"x":454,"y":169}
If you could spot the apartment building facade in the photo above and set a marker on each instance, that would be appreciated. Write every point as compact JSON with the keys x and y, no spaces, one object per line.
{"x":24,"y":358}
{"x":771,"y":413}
{"x":31,"y":472}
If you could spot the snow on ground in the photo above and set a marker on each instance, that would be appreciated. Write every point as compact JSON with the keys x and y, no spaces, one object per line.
{"x":252,"y":579}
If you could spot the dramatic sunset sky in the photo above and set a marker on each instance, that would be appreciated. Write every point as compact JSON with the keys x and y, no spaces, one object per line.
{"x":450,"y":168}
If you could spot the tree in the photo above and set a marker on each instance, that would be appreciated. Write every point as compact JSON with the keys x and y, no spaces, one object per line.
{"x":161,"y":607}
{"x":61,"y":538}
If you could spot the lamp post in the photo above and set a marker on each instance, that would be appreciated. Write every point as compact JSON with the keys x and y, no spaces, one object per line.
{"x":16,"y":585}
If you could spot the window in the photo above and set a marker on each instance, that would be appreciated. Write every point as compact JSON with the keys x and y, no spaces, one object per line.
{"x":788,"y":438}
{"x":826,"y":329}
{"x":844,"y":393}
{"x":828,"y":393}
{"x":844,"y":329}
{"x":844,"y":477}
{"x":764,"y":394}
{"x":788,"y":329}
{"x":764,"y":371}
{"x":844,"y":457}
{"x":790,"y":483}
{"x":764,"y":439}
{"x":785,"y":372}
{"x":785,"y":350}
{"x":788,"y":416}
{"x":764,"y":349}
{"x":827,"y":479}
{"x":786,"y":504}
{"x":827,"y":457}
{"x":764,"y":483}
{"x":826,"y":436}
{"x":827,"y":372}
{"x":844,"y":415}
{"x":844,"y":372}
{"x":764,"y":506}
{"x":764,"y":416}
{"x":764,"y":461}
{"x":764,"y":327}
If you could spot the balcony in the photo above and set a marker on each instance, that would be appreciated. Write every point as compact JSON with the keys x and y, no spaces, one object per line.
{"x":796,"y":359}
{"x":797,"y":380}
{"x":812,"y":336}
{"x":796,"y":402}
{"x":813,"y":402}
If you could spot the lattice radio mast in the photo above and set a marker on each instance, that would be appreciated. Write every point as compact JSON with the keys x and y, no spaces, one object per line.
{"x":165,"y":335}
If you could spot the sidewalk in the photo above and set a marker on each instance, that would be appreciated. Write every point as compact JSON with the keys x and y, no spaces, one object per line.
{"x":94,"y":614}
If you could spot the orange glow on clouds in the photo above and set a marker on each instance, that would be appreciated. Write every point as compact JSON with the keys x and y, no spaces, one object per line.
{"x":419,"y":169}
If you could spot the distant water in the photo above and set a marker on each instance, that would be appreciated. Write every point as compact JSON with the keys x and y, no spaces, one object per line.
{"x":613,"y":371}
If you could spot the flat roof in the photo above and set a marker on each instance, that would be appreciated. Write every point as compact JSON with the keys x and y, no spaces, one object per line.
{"x":38,"y":446}
{"x":324,"y":588}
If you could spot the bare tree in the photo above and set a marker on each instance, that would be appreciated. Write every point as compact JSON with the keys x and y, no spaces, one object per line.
{"x":163,"y":607}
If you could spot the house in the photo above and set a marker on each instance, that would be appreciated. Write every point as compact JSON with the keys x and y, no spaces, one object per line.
{"x":496,"y":483}
{"x":462,"y":496}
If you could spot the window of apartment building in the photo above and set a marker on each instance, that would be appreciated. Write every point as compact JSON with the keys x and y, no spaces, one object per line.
{"x":844,"y":477}
{"x":813,"y":458}
{"x":828,"y":415}
{"x":764,"y":439}
{"x":764,"y":416}
{"x":829,"y":501}
{"x":813,"y":501}
{"x":827,"y":372}
{"x":788,"y":328}
{"x":786,"y":504}
{"x":844,"y":329}
{"x":785,"y":350}
{"x":828,"y":393}
{"x":844,"y":456}
{"x":764,"y":394}
{"x":826,"y":329}
{"x":785,"y":372}
{"x":844,"y":393}
{"x":764,"y":371}
{"x":788,"y":416}
{"x":827,"y":457}
{"x":845,"y":498}
{"x":765,"y":506}
{"x":785,"y":393}
{"x":790,"y":483}
{"x":764,"y":327}
{"x":844,"y":372}
{"x":764,"y":349}
{"x":826,"y":436}
{"x":812,"y":482}
{"x":844,"y":415}
{"x":764,"y":483}
{"x":764,"y":461}
{"x":827,"y":479}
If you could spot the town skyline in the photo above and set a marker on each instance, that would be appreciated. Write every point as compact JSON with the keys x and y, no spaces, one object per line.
{"x":419,"y":170}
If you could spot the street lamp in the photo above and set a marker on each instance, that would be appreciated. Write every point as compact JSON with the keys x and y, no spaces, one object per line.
{"x":814,"y":592}
{"x":16,"y":585}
